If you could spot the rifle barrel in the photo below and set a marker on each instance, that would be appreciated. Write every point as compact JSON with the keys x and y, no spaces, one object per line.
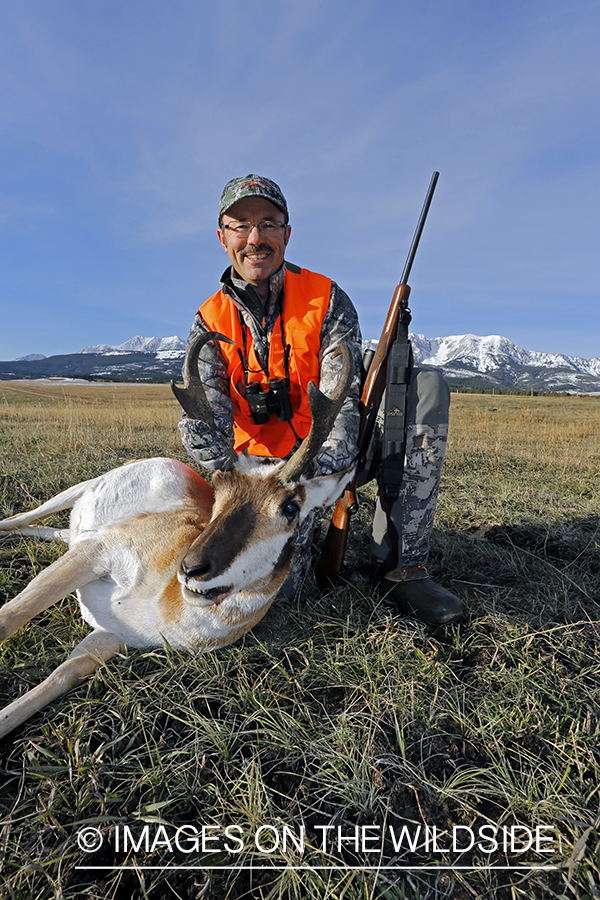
{"x":415,"y":241}
{"x":331,"y":559}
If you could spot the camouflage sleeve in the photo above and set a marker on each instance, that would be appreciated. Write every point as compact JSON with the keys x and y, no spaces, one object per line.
{"x":210,"y":447}
{"x":340,"y":326}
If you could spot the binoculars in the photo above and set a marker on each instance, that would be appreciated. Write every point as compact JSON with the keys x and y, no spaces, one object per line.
{"x":275,"y":401}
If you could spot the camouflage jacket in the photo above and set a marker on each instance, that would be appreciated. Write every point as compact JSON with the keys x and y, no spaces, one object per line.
{"x":340,"y":325}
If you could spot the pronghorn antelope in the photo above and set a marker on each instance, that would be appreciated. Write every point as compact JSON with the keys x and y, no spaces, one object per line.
{"x":157,"y":554}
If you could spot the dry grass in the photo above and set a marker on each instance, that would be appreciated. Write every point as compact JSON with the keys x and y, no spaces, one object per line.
{"x":556,"y":431}
{"x":56,"y":434}
{"x":335,"y":710}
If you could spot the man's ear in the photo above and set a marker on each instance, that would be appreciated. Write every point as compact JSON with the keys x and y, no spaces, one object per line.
{"x":222,"y":241}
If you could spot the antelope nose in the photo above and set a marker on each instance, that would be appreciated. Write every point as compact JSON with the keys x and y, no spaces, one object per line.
{"x":200,"y":570}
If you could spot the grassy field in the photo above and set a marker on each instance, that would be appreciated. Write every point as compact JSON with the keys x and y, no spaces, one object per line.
{"x":294,"y":759}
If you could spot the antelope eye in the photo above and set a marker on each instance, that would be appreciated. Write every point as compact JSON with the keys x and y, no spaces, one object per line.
{"x":290,"y":509}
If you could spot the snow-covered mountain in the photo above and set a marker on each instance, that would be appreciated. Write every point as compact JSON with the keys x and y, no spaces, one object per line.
{"x":167,"y":345}
{"x":495,"y":362}
{"x":487,"y":354}
{"x":500,"y":359}
{"x":468,"y":361}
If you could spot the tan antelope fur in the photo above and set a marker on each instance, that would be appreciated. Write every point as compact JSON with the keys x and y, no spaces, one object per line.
{"x":156,"y":554}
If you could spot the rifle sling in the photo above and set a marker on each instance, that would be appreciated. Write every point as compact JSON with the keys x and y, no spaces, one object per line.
{"x":394,"y":427}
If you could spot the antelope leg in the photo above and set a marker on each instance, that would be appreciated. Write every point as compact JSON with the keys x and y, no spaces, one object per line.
{"x":94,"y":650}
{"x":46,"y":533}
{"x":77,"y":567}
{"x":64,"y":500}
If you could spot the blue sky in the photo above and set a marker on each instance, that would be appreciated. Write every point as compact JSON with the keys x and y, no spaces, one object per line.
{"x":121,"y":120}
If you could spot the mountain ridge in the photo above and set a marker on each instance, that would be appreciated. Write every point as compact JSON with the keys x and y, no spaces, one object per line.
{"x":468,"y":361}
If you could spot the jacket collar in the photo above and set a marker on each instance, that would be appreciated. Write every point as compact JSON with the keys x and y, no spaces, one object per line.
{"x":244,"y":296}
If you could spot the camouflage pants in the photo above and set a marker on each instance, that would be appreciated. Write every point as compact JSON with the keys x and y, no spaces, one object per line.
{"x":303,"y":541}
{"x":402,"y":536}
{"x":406,"y":541}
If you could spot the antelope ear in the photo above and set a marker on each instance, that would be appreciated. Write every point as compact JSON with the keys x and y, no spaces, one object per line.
{"x":324,"y":490}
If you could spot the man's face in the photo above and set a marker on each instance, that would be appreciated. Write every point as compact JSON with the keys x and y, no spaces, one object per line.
{"x":254,"y":257}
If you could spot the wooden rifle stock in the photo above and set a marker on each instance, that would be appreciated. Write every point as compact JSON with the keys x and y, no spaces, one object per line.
{"x":331,"y":560}
{"x":332,"y":556}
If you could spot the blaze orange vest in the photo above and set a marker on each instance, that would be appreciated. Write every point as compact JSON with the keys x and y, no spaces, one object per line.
{"x":305,"y":303}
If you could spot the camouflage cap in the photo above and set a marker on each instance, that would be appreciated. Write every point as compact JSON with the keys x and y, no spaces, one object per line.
{"x":251,"y":186}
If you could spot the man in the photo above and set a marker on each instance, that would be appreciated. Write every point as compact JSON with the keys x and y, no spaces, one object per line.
{"x":287,"y":324}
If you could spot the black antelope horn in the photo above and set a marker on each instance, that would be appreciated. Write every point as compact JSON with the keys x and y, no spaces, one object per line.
{"x":192,"y":396}
{"x":324,"y":412}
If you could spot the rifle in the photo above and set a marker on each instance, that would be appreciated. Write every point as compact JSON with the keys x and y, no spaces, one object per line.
{"x":394,"y":353}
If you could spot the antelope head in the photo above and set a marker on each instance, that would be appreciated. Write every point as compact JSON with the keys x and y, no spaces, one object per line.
{"x":245,"y":553}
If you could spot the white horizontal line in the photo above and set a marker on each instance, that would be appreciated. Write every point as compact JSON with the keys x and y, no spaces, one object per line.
{"x":431,"y":868}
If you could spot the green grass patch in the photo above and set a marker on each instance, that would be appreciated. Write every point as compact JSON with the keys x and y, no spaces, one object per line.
{"x":336,"y":723}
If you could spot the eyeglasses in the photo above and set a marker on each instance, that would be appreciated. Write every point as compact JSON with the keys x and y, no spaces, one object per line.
{"x":265,"y":228}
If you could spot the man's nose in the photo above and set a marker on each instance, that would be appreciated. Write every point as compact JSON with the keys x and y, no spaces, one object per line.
{"x":254,"y":233}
